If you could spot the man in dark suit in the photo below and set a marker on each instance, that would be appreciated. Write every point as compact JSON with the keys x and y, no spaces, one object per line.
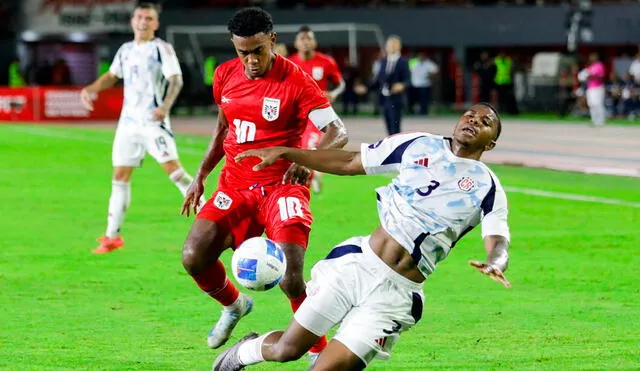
{"x":391,"y":82}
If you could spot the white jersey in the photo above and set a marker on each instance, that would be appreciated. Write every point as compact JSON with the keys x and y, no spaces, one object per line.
{"x":436,"y":198}
{"x":145,"y":69}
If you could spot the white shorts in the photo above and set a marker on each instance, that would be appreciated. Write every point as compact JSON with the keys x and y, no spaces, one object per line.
{"x":373,"y":302}
{"x":595,"y":97}
{"x":133,"y":141}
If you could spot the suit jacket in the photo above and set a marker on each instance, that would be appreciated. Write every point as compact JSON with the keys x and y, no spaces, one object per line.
{"x":399,"y":73}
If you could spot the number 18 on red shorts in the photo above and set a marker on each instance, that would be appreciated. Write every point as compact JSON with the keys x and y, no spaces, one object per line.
{"x":280,"y":211}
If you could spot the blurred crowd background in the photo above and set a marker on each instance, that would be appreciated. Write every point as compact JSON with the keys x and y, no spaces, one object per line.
{"x":523,"y":55}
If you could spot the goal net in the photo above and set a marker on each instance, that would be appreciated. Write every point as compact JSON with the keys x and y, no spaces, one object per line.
{"x":201,"y":42}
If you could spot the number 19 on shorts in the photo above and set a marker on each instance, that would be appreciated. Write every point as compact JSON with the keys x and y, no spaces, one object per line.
{"x":245,"y":131}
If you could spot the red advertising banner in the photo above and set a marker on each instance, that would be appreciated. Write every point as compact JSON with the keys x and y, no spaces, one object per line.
{"x":17,"y":104}
{"x":56,"y":104}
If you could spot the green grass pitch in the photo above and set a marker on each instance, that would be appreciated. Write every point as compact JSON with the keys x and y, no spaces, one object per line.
{"x":575,"y":301}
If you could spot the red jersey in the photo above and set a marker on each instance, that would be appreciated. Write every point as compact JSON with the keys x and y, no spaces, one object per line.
{"x":321,"y":67}
{"x":269,"y":111}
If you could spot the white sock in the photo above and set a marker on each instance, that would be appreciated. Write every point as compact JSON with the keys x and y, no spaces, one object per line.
{"x":118,"y":203}
{"x":236,"y":306}
{"x":250,"y":352}
{"x":183,"y":180}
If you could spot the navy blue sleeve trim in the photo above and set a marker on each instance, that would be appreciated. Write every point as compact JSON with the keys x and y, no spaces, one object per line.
{"x":396,"y":156}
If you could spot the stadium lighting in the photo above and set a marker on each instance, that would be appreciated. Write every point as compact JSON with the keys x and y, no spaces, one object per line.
{"x":30,"y":36}
{"x":78,"y":37}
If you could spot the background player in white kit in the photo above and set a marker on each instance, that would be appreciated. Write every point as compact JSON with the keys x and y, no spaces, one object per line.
{"x":373,"y":284}
{"x":152,"y":82}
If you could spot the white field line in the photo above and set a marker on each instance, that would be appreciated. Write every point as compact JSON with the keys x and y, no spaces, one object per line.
{"x":54,"y":133}
{"x":527,"y":191}
{"x":571,"y":196}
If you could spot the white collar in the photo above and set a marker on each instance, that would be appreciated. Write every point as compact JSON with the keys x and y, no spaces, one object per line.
{"x":393,"y":57}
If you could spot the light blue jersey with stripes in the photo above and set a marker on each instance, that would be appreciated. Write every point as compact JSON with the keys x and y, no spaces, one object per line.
{"x":436,"y":198}
{"x":145,"y":69}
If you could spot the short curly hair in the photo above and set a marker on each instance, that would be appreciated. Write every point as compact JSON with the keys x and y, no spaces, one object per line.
{"x":495,"y":111}
{"x":250,"y":21}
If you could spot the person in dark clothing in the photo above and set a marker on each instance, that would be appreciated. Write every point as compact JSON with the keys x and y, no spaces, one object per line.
{"x":351,"y":77}
{"x":486,"y":70}
{"x":392,"y":82}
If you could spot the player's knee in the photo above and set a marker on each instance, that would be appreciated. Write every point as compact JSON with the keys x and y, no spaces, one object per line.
{"x":193,"y":260}
{"x":283,"y":352}
{"x":122,"y":174}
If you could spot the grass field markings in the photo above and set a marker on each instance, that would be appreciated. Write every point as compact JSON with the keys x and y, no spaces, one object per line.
{"x":571,"y":196}
{"x":526,"y":191}
{"x":65,"y":135}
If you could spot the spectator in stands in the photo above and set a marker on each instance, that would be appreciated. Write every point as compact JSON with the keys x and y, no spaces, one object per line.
{"x":634,"y":69}
{"x":614,"y":94}
{"x":629,"y":95}
{"x":375,"y":69}
{"x":486,"y":70}
{"x":594,"y":76}
{"x":351,"y":76}
{"x":504,"y":83}
{"x":422,"y":73}
{"x":392,"y":82}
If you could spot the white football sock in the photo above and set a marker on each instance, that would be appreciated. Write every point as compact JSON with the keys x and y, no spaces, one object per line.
{"x":183,"y":180}
{"x":237,"y":305}
{"x":118,"y":203}
{"x":250,"y":352}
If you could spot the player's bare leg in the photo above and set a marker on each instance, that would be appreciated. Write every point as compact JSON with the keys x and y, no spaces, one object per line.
{"x":293,"y":285}
{"x":179,"y":176}
{"x":118,"y":204}
{"x":276,"y":346}
{"x":337,"y":357}
{"x":200,"y":258}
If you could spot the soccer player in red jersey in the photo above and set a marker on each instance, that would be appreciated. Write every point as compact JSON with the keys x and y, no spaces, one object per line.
{"x":324,"y":70}
{"x":265,"y":100}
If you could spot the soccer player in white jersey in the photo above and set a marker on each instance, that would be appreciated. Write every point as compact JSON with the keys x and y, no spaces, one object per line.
{"x":152,"y":82}
{"x":373,"y":284}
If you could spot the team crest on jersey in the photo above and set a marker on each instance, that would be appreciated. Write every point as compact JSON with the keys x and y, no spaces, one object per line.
{"x":271,"y":109}
{"x":317,"y":73}
{"x":466,"y":184}
{"x":222,"y":201}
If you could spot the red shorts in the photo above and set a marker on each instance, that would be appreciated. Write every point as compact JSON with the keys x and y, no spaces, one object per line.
{"x":311,"y":136}
{"x":280,"y":211}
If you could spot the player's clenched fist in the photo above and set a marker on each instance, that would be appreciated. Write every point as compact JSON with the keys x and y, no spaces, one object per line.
{"x":296,"y":174}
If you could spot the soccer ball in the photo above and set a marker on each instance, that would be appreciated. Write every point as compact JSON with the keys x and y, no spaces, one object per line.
{"x":258,"y":264}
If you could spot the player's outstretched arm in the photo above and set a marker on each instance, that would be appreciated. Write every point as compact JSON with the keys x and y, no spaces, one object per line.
{"x":497,"y":248}
{"x":333,"y":161}
{"x":90,"y":92}
{"x":334,"y":136}
{"x":213,"y":155}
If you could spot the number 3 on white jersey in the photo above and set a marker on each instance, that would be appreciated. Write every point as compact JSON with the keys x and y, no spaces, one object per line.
{"x":290,"y":207}
{"x":245,"y":131}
